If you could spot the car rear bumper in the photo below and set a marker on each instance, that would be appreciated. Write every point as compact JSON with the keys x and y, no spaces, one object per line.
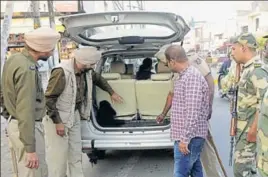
{"x":127,"y":144}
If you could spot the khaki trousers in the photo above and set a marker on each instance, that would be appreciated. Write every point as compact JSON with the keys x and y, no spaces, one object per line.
{"x":209,"y":159}
{"x":64,"y":154}
{"x":13,"y":135}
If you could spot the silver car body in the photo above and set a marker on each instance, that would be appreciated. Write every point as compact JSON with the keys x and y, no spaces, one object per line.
{"x":85,"y":30}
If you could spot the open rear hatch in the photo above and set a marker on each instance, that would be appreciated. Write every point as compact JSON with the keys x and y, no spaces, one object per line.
{"x":92,"y":29}
{"x":111,"y":30}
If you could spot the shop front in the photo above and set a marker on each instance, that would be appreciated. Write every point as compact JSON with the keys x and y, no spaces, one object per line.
{"x":21,"y":26}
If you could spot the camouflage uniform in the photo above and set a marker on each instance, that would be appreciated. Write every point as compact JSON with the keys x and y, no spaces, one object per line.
{"x":251,"y":89}
{"x":262,"y":137}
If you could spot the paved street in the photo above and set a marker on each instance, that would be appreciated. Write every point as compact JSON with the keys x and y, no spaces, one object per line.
{"x":142,"y":163}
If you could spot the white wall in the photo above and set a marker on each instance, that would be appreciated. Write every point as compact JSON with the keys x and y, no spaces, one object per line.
{"x":89,"y":6}
{"x":230,"y":28}
{"x":97,"y":6}
{"x":19,"y":6}
{"x":263,"y":22}
{"x":264,"y":19}
{"x":241,"y":21}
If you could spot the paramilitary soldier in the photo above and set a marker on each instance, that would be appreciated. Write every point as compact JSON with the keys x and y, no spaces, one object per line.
{"x":251,"y":88}
{"x":209,"y":155}
{"x":68,"y":99}
{"x":262,"y":139}
{"x":25,"y":101}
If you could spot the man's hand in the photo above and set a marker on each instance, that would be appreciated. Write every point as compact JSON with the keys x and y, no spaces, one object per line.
{"x":183,"y":147}
{"x":160,"y":118}
{"x":252,"y":136}
{"x":60,"y":129}
{"x":32,"y":160}
{"x":116,"y":98}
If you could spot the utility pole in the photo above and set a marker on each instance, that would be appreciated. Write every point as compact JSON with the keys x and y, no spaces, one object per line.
{"x":55,"y":57}
{"x":37,"y":24}
{"x":36,"y":14}
{"x":5,"y":31}
{"x":4,"y":45}
{"x":105,"y":6}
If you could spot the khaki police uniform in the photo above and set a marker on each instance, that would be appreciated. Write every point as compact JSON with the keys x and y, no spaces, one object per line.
{"x":208,"y":159}
{"x":25,"y":102}
{"x":68,"y":99}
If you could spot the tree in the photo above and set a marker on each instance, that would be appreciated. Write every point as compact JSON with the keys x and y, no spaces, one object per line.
{"x":261,"y":42}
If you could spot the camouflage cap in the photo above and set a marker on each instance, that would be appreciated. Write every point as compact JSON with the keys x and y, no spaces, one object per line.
{"x":247,"y":39}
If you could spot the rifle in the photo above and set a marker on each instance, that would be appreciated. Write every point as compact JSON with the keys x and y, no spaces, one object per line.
{"x":233,"y":126}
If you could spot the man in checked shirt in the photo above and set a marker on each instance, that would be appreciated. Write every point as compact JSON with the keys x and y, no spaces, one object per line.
{"x":189,"y":113}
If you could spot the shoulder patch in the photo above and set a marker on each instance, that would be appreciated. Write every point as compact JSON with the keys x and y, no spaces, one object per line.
{"x":257,"y":65}
{"x":32,"y":68}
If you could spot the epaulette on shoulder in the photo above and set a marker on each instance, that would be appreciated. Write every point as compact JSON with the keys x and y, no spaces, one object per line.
{"x":257,"y":65}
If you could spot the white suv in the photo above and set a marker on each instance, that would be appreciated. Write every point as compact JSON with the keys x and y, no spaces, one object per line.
{"x":128,"y":36}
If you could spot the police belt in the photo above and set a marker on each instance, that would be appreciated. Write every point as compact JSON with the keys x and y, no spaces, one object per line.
{"x":14,"y":118}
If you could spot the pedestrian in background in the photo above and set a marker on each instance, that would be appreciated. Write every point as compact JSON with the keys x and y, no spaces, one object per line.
{"x":251,"y":89}
{"x":68,"y":100}
{"x":189,"y":114}
{"x":25,"y":102}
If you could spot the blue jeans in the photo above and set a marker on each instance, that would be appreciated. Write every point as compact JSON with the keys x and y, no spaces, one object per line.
{"x":190,"y":164}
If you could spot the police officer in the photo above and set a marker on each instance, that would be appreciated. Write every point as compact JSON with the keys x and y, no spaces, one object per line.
{"x":68,"y":99}
{"x":208,"y":156}
{"x":25,"y":102}
{"x":262,"y":140}
{"x":251,"y":88}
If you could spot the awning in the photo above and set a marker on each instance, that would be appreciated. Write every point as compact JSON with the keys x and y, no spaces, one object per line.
{"x":25,"y":29}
